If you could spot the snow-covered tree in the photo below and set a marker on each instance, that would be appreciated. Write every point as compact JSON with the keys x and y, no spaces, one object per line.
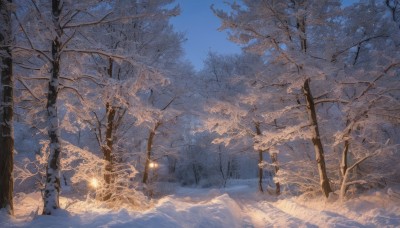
{"x":369,"y":81}
{"x":283,"y":31}
{"x":234,"y":113}
{"x":311,"y":54}
{"x":124,"y":86}
{"x":68,"y":24}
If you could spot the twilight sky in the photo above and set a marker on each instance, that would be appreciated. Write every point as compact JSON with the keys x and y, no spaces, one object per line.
{"x":200,"y":27}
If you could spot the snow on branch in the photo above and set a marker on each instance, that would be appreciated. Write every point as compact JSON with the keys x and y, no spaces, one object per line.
{"x":41,"y":52}
{"x":271,"y":139}
{"x":327,"y":100}
{"x":335,"y":55}
{"x":109,"y":55}
{"x":28,"y":88}
{"x":372,"y":84}
{"x":105,"y":20}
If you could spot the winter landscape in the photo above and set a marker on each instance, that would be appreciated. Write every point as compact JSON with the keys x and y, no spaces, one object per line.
{"x":107,"y":121}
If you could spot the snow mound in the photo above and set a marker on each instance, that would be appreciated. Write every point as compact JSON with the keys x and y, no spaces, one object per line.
{"x":236,"y":206}
{"x":220,"y":211}
{"x":375,"y":209}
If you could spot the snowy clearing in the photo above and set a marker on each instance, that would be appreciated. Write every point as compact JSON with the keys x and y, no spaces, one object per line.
{"x":235,"y":206}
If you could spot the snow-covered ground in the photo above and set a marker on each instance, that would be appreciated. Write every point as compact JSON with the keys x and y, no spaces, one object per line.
{"x":238,"y":205}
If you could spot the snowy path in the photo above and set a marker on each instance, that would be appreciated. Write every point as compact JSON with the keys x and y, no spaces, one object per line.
{"x":265,"y":214}
{"x":370,"y":211}
{"x":376,"y":210}
{"x":238,"y":206}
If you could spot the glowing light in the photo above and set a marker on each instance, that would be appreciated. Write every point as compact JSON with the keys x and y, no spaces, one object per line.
{"x":94,"y":183}
{"x":153,"y":165}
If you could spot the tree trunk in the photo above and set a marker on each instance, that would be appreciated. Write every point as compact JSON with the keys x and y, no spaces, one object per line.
{"x":345,"y":152}
{"x":301,"y":26}
{"x":221,"y":168}
{"x":171,"y":165}
{"x":344,"y":162}
{"x":52,"y":185}
{"x":108,"y":152}
{"x":343,"y":186}
{"x":260,"y":160}
{"x":196,"y":173}
{"x":260,"y":171}
{"x":148,"y":152}
{"x":6,"y":112}
{"x":109,"y":143}
{"x":316,"y":139}
{"x":274,"y":160}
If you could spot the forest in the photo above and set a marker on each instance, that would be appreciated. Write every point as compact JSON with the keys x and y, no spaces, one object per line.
{"x":105,"y":123}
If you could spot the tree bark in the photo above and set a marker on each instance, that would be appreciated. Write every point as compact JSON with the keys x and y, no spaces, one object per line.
{"x":274,"y":160}
{"x":148,"y":152}
{"x":52,"y":185}
{"x":109,"y":142}
{"x":221,"y":170}
{"x":108,"y":152}
{"x":344,"y":162}
{"x":6,"y":112}
{"x":260,"y":171}
{"x":301,"y":26}
{"x":260,"y":160}
{"x":196,"y":173}
{"x":316,"y":139}
{"x":345,"y":152}
{"x":345,"y":184}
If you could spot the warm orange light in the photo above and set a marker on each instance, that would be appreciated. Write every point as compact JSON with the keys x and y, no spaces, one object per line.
{"x":153,"y":165}
{"x":94,"y":183}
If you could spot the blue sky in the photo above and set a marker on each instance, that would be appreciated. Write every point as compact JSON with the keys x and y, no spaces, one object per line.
{"x":200,"y":27}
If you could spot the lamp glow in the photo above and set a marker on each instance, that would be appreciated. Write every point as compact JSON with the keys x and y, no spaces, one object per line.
{"x":94,"y":183}
{"x":153,"y":165}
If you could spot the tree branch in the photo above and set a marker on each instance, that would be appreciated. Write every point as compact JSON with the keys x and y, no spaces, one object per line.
{"x":334,"y":56}
{"x":73,"y":89}
{"x":104,"y":21}
{"x":106,"y":54}
{"x":371,"y":84}
{"x":27,"y":87}
{"x":33,"y":49}
{"x":331,"y":101}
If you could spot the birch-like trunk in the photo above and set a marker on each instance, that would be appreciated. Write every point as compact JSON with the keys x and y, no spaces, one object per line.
{"x":316,"y":139}
{"x":6,"y":112}
{"x":52,"y":185}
